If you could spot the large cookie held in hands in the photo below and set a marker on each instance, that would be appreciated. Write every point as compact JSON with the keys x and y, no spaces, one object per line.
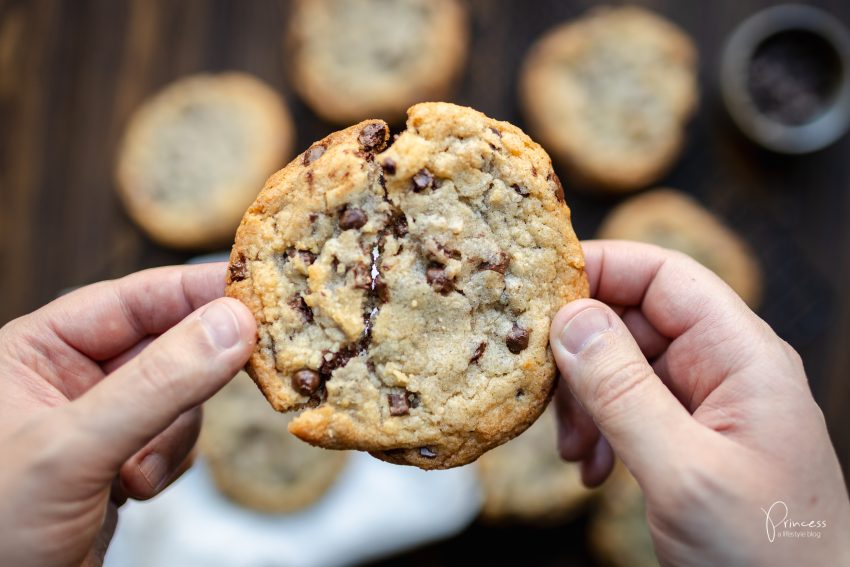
{"x":403,"y":295}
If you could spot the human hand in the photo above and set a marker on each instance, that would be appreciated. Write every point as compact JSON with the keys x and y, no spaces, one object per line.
{"x":96,"y":406}
{"x":706,"y":406}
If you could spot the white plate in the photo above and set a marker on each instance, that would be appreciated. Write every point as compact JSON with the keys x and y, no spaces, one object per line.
{"x":374,"y":509}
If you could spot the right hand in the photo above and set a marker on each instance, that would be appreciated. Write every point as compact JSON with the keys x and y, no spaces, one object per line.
{"x":706,"y":406}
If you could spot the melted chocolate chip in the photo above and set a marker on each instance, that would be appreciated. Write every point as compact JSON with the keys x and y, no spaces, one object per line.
{"x":500,"y":264}
{"x":422,"y":180}
{"x":313,"y":153}
{"x":373,"y":137}
{"x":559,"y":189}
{"x":362,"y":276}
{"x":496,"y":131}
{"x":306,"y":256}
{"x":306,"y":382}
{"x":427,"y":452}
{"x":521,"y":189}
{"x":298,"y":304}
{"x":238,"y":269}
{"x":399,"y":405}
{"x":338,"y":359}
{"x":517,"y":339}
{"x":449,"y":252}
{"x":352,"y":218}
{"x":399,"y":225}
{"x":479,"y":352}
{"x":381,"y":289}
{"x":438,"y":279}
{"x":389,"y":166}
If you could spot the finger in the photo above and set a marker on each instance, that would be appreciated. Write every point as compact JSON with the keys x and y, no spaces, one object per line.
{"x":577,"y":434}
{"x":596,"y":468}
{"x":114,"y":363}
{"x":147,"y":472}
{"x":651,"y":342}
{"x":177,"y":372}
{"x":641,"y":419}
{"x":674,"y":291}
{"x":131,"y":308}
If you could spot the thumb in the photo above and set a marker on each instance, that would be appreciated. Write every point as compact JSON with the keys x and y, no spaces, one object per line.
{"x":643,"y":422}
{"x":176,"y":372}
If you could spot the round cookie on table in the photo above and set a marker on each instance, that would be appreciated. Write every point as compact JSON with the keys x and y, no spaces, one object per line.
{"x":194,"y":154}
{"x":403,"y":295}
{"x":619,"y":532}
{"x":254,"y":460}
{"x":358,"y":59}
{"x":526,"y":479}
{"x":609,"y":94}
{"x":674,"y":220}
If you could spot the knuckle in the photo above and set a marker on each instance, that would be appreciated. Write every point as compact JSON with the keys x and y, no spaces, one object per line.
{"x":616,"y":383}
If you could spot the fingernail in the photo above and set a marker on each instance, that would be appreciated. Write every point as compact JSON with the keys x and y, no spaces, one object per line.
{"x":221,"y":324}
{"x":583,"y":328}
{"x":154,"y":468}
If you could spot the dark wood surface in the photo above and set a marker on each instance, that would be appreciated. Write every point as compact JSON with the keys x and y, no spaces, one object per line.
{"x":71,"y":72}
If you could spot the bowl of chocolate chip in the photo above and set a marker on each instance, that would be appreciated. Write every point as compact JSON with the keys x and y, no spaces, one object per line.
{"x":785,"y":78}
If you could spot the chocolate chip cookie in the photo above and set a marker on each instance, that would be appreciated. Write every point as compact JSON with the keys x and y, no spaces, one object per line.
{"x":358,"y":59}
{"x":674,"y":220}
{"x":610,"y":93}
{"x":403,"y":295}
{"x":526,"y":478}
{"x":194,"y":154}
{"x":619,"y":532}
{"x":254,"y":460}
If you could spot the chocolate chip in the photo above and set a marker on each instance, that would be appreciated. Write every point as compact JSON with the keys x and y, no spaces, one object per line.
{"x":517,"y":339}
{"x":479,"y":352}
{"x":521,"y":189}
{"x":427,"y":452}
{"x":422,"y":180}
{"x":298,"y":304}
{"x":450,"y":252}
{"x":439,"y":279}
{"x":362,"y":276}
{"x":533,"y":171}
{"x":307,"y":257}
{"x":338,"y":359}
{"x":399,"y":226}
{"x":500,"y":264}
{"x":520,"y":393}
{"x":382,"y":289}
{"x":313,"y":153}
{"x":389,"y":166}
{"x":399,"y":405}
{"x":306,"y":382}
{"x":238,"y":269}
{"x":373,"y":137}
{"x":496,"y":131}
{"x":559,"y":189}
{"x":352,"y":218}
{"x":313,"y":217}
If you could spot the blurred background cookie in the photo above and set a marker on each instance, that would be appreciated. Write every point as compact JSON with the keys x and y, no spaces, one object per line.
{"x":195,"y":155}
{"x":672,"y":219}
{"x":358,"y":59}
{"x":609,"y":95}
{"x":619,"y":532}
{"x":254,"y":460}
{"x":526,"y":479}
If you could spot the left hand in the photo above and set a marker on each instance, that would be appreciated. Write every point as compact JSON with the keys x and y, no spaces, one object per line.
{"x":96,"y":406}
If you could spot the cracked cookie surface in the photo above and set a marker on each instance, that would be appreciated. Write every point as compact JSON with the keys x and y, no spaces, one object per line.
{"x":403,"y":295}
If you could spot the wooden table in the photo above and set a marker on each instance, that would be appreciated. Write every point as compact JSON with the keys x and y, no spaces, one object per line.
{"x":71,"y":72}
